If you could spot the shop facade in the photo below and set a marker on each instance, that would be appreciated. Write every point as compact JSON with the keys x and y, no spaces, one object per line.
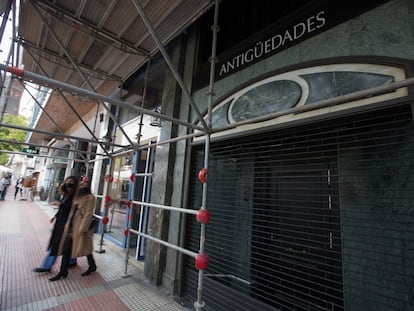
{"x":309,"y":157}
{"x":309,"y":196}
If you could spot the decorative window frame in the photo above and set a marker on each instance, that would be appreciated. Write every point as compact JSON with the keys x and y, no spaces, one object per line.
{"x":296,"y":76}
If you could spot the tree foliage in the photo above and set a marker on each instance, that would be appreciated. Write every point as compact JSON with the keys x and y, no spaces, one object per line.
{"x":11,"y":134}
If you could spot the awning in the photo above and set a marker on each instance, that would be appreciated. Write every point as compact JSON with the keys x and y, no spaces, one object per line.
{"x":104,"y":41}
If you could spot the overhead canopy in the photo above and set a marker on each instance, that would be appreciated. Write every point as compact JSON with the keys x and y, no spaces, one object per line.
{"x":106,"y":40}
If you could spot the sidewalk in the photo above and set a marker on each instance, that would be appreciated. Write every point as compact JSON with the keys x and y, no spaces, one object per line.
{"x":24,"y":234}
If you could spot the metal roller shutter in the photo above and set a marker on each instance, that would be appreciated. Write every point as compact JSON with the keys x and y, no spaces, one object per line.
{"x":312,"y":218}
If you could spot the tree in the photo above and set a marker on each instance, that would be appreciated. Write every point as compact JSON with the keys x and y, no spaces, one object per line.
{"x":11,"y":135}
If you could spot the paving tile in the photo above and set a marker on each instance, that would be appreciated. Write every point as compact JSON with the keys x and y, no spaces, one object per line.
{"x":24,"y":234}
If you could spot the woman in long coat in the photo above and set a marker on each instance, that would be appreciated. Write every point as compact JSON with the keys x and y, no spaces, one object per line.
{"x":77,"y":240}
{"x":68,"y":189}
{"x":83,"y":231}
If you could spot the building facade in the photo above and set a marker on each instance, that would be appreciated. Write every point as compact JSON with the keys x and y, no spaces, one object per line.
{"x":310,"y":197}
{"x":310,"y":154}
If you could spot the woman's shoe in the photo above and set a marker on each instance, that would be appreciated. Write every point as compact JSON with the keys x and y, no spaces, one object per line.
{"x":60,"y":275}
{"x":41,"y":269}
{"x":90,"y":270}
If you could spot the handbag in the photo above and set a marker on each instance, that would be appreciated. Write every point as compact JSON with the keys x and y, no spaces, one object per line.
{"x":94,"y":222}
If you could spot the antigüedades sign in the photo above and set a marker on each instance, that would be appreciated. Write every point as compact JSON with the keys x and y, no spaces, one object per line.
{"x":269,"y":46}
{"x":302,"y":26}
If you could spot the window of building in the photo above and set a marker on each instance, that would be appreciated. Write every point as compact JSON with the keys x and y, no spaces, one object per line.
{"x":134,"y":87}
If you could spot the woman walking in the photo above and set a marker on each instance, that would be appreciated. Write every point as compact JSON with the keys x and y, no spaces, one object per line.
{"x":18,"y":187}
{"x":77,"y":238}
{"x":67,"y":190}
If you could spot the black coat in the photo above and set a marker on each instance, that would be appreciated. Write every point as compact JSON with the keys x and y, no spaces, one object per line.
{"x":60,"y":220}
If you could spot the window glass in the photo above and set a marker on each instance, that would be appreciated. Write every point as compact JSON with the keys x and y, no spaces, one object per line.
{"x":324,"y":85}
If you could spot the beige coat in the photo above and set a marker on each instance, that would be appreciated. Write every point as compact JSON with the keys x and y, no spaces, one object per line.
{"x":82,"y":211}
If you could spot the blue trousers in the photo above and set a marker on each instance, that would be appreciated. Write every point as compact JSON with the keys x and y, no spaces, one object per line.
{"x":50,"y":260}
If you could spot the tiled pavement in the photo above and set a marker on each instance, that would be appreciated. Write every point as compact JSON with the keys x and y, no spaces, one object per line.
{"x":24,"y":234}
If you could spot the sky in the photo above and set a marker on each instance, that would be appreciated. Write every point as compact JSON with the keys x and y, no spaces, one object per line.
{"x":6,"y":41}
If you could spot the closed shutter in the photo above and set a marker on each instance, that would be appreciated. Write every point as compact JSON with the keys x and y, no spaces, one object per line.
{"x":313,"y":218}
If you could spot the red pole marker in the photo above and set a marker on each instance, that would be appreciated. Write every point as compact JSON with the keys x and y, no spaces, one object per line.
{"x":202,"y":175}
{"x":203,"y":216}
{"x":16,"y":71}
{"x":202,"y":261}
{"x":105,"y":220}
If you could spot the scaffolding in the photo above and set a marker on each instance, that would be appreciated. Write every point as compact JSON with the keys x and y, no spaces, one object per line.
{"x":203,"y":128}
{"x":202,"y":215}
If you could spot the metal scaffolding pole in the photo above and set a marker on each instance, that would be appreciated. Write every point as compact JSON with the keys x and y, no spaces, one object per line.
{"x":162,"y":242}
{"x":2,"y":29}
{"x":151,"y":145}
{"x":78,"y":69}
{"x":108,"y":179}
{"x":38,"y":50}
{"x":35,"y":77}
{"x":66,"y":101}
{"x":5,"y":18}
{"x":10,"y":56}
{"x":199,"y":304}
{"x":134,"y":184}
{"x":171,"y":140}
{"x":39,"y":155}
{"x":109,"y":173}
{"x":163,"y":142}
{"x":114,"y":154}
{"x":169,"y":62}
{"x":90,"y":29}
{"x":13,"y":142}
{"x":375,"y":91}
{"x":50,"y":118}
{"x":166,"y":207}
{"x":54,"y":134}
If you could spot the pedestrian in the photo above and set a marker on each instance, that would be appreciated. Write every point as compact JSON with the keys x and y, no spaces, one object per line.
{"x":77,"y":240}
{"x":27,"y":187}
{"x":4,"y":184}
{"x":84,"y":226}
{"x":2,"y":187}
{"x":18,"y":187}
{"x":67,"y":190}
